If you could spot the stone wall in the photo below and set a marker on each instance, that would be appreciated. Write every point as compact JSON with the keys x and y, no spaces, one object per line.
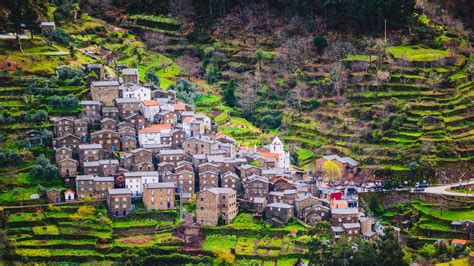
{"x":391,"y":198}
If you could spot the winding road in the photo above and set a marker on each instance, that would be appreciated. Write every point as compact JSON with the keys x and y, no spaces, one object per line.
{"x":444,"y":190}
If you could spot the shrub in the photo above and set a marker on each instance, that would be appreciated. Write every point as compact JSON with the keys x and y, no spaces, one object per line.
{"x":320,"y":43}
{"x":61,"y":36}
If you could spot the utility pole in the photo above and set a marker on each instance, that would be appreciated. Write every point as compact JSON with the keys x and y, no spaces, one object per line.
{"x":385,"y":26}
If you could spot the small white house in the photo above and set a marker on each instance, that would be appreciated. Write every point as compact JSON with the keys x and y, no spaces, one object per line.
{"x":152,"y":134}
{"x":69,"y":195}
{"x":130,"y":90}
{"x":149,"y":109}
{"x":135,"y":181}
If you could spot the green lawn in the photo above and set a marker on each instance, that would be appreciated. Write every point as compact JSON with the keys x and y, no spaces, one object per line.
{"x":445,"y":214}
{"x":140,"y":223}
{"x":45,"y":230}
{"x":221,"y":241}
{"x":458,"y":262}
{"x":416,"y":54}
{"x":245,"y":221}
{"x":361,"y":57}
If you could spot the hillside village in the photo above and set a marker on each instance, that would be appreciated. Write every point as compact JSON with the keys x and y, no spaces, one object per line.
{"x":234,"y":133}
{"x":134,"y":141}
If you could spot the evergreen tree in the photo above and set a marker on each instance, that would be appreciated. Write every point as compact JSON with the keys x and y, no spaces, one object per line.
{"x":389,"y":250}
{"x":152,"y":77}
{"x":229,"y":94}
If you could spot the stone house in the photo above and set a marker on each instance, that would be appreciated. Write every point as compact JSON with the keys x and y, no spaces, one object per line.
{"x":105,"y":91}
{"x":53,"y":195}
{"x":81,"y":129}
{"x":184,"y":165}
{"x":282,"y":183}
{"x":198,"y":145}
{"x":91,"y":168}
{"x":216,"y":204}
{"x":110,"y":140}
{"x":169,"y":95}
{"x":205,"y":167}
{"x":138,"y":160}
{"x":108,"y":123}
{"x":247,"y":170}
{"x":208,"y":180}
{"x":198,"y":159}
{"x":314,"y":214}
{"x":135,"y":181}
{"x":67,"y":168}
{"x":230,"y":180}
{"x":93,"y":186}
{"x":110,"y":112}
{"x":255,"y":187}
{"x":259,"y":204}
{"x":98,"y":69}
{"x":344,"y":215}
{"x":119,"y":201}
{"x":367,"y":226}
{"x":165,"y":117}
{"x":108,"y":167}
{"x":63,"y":126}
{"x":62,"y":153}
{"x":166,"y":138}
{"x":171,"y":156}
{"x":137,"y":120}
{"x":465,"y":226}
{"x":126,"y":130}
{"x":47,"y":27}
{"x":278,"y":214}
{"x":69,"y":141}
{"x":127,"y":106}
{"x":91,"y":110}
{"x":164,"y":167}
{"x":90,"y":152}
{"x":143,"y":158}
{"x":178,"y":136}
{"x":303,"y":202}
{"x":130,"y":75}
{"x":351,"y":230}
{"x":159,"y":196}
{"x":128,"y":143}
{"x":288,"y":196}
{"x":273,"y":173}
{"x":185,"y":181}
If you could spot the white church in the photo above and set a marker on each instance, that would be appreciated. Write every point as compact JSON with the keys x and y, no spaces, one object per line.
{"x":277,"y":147}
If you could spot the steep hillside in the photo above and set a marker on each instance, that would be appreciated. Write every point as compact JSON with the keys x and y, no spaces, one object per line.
{"x":401,"y":106}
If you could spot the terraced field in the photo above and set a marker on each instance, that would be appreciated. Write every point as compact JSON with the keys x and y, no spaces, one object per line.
{"x":406,"y":115}
{"x":427,"y":220}
{"x":250,"y":243}
{"x":57,"y":234}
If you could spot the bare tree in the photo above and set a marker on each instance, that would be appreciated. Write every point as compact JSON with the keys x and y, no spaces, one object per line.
{"x":155,"y":41}
{"x":190,"y":65}
{"x":181,"y":9}
{"x":338,"y":77}
{"x":247,"y":95}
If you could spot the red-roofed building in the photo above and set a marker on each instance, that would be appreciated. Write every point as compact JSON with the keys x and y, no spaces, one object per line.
{"x":69,"y":195}
{"x":152,"y":134}
{"x":149,"y":109}
{"x":459,"y":242}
